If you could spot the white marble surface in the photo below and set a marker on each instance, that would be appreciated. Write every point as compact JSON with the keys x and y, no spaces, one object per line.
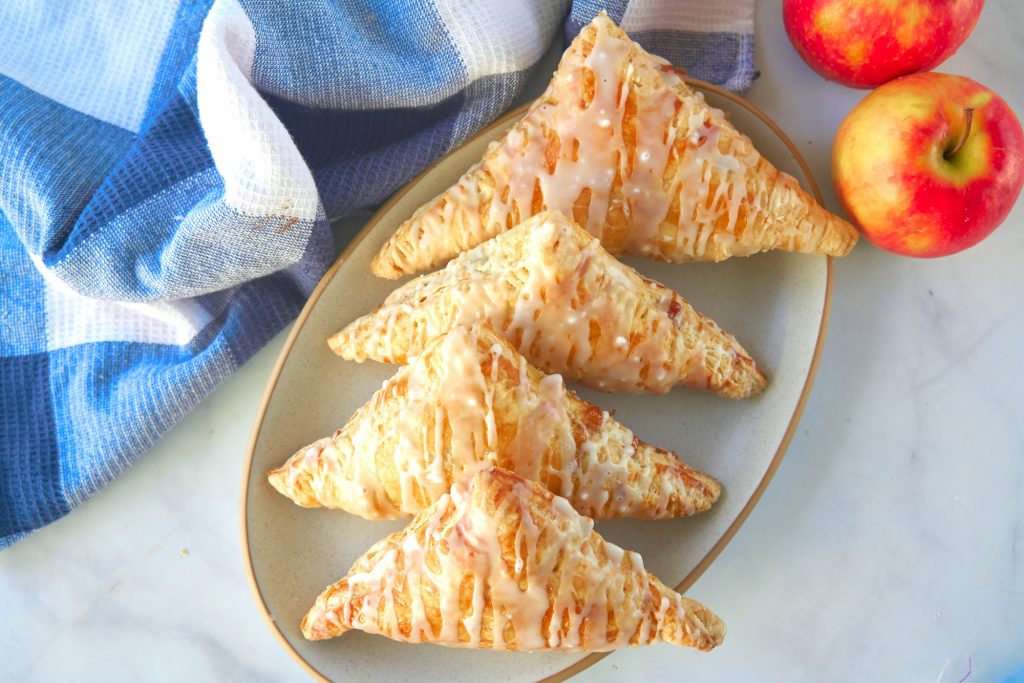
{"x":889,"y":546}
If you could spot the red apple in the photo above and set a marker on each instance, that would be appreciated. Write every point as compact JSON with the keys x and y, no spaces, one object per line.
{"x":864,"y":43}
{"x":929,"y":164}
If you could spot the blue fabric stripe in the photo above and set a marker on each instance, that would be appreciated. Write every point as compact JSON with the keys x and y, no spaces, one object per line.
{"x":367,"y":155}
{"x":584,"y":11}
{"x":723,"y":58}
{"x":373,"y":177}
{"x":22,"y":301}
{"x":170,"y":151}
{"x":30,"y":468}
{"x":54,"y":158}
{"x":114,"y":400}
{"x":326,"y":135}
{"x":186,"y":255}
{"x":360,"y":157}
{"x":745,"y":72}
{"x":484,"y":100}
{"x":374,"y":54}
{"x":167,"y":181}
{"x":177,"y":57}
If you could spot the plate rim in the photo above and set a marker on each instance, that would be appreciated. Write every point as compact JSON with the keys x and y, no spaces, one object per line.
{"x":589,"y":660}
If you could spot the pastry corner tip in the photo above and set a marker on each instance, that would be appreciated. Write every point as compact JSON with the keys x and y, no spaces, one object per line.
{"x":716,"y":630}
{"x":276,"y":478}
{"x":338,"y":343}
{"x":714,"y":634}
{"x":840,"y":239}
{"x":384,"y":267}
{"x":314,"y":629}
{"x":296,"y":489}
{"x":321,"y":622}
{"x":712,"y":488}
{"x":759,"y":382}
{"x":751,"y":382}
{"x":701,"y":628}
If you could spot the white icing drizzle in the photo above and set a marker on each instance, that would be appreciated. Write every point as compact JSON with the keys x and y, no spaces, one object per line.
{"x":549,"y":288}
{"x":564,"y":302}
{"x":462,"y":411}
{"x":647,"y":150}
{"x":558,"y":567}
{"x":575,"y":305}
{"x":459,"y":411}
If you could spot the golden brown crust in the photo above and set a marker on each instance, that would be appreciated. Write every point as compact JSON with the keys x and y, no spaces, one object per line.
{"x":569,"y":307}
{"x":621,"y":144}
{"x":470,"y":399}
{"x":502,"y":563}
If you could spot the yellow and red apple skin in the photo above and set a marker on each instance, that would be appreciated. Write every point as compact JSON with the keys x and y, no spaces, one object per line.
{"x":865,"y":43}
{"x":892,"y":177}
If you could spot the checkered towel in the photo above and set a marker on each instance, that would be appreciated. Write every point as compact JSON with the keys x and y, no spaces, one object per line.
{"x":168,"y":169}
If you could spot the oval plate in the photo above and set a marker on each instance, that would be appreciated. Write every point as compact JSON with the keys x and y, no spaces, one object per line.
{"x":776,"y":304}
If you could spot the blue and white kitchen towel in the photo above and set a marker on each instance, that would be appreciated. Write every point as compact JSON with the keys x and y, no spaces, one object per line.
{"x":168,"y":169}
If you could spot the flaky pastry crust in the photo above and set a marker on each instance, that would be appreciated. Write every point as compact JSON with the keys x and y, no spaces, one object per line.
{"x":468,"y":400}
{"x":501,"y":563}
{"x":622,"y":145}
{"x":568,"y":306}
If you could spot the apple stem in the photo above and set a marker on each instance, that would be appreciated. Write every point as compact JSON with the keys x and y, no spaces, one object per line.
{"x":968,"y":117}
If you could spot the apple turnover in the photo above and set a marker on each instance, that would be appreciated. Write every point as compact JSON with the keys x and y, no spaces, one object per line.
{"x":470,"y":399}
{"x":568,"y":306}
{"x":622,"y":145}
{"x":502,"y":563}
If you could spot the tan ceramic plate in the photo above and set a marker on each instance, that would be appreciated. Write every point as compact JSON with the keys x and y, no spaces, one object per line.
{"x":776,"y":304}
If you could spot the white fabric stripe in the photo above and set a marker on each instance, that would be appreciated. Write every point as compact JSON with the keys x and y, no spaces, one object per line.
{"x":98,"y":58}
{"x":709,"y":16}
{"x":529,"y":26}
{"x":264,"y":174}
{"x":73,"y":319}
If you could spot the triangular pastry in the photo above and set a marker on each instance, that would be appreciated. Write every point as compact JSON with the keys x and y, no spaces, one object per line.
{"x":620,"y":143}
{"x":502,"y":563}
{"x":568,"y":306}
{"x":470,"y":399}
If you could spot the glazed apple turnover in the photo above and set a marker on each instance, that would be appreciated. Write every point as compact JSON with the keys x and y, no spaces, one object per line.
{"x":622,"y":145}
{"x":502,"y":563}
{"x":470,"y":399}
{"x":568,"y":306}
